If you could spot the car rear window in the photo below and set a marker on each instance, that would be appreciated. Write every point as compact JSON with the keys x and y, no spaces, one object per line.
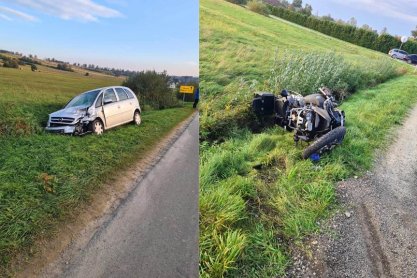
{"x":129,"y":93}
{"x":121,"y":93}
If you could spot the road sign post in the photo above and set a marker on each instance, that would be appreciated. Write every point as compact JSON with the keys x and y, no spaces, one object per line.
{"x":186,"y":90}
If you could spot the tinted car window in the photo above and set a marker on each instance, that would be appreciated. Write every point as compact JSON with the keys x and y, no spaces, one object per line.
{"x":121,"y":93}
{"x":403,"y":52}
{"x":99,"y":100}
{"x":109,"y":94}
{"x":129,"y":93}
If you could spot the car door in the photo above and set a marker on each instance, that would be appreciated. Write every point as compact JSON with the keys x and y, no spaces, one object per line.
{"x":111,"y":108}
{"x":126,"y":105}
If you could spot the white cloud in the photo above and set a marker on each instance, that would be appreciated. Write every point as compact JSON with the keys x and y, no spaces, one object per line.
{"x":13,"y":12}
{"x":83,"y":10}
{"x":398,"y":9}
{"x":5,"y":17}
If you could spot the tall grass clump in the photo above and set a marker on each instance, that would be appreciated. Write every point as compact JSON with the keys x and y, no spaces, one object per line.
{"x":258,"y":6}
{"x":306,"y":72}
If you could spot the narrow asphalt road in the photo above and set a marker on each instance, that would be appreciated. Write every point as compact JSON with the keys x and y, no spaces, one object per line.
{"x":154,"y":232}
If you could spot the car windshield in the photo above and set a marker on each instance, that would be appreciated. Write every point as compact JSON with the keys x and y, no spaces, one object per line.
{"x":85,"y":99}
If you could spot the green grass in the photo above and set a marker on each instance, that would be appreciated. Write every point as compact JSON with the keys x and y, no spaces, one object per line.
{"x":258,"y":198}
{"x":45,"y":177}
{"x":258,"y":187}
{"x":236,"y":42}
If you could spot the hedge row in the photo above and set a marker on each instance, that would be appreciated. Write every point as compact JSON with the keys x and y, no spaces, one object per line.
{"x":349,"y":33}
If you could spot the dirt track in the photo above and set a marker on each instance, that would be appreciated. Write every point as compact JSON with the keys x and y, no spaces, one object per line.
{"x":375,"y":234}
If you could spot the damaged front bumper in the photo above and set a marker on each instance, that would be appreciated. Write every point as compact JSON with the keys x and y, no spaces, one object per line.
{"x":79,"y":127}
{"x":61,"y":129}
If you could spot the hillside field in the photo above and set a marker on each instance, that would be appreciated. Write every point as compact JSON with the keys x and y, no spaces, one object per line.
{"x":259,"y":200}
{"x":45,"y":177}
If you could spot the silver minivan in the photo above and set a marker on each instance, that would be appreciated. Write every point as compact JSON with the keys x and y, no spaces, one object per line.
{"x":95,"y":111}
{"x":398,"y":54}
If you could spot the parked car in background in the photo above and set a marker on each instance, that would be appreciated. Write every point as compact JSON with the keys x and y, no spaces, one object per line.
{"x":95,"y":111}
{"x":398,"y":54}
{"x":412,"y":59}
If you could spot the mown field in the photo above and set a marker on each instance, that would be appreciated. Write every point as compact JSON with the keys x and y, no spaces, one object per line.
{"x":258,"y":199}
{"x":45,"y":177}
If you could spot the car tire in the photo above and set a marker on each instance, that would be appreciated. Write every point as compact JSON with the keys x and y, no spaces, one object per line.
{"x":97,"y":127}
{"x":137,"y":119}
{"x":326,"y":142}
{"x":394,"y":56}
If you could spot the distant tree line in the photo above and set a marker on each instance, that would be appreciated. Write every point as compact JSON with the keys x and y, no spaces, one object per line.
{"x":11,"y":62}
{"x":363,"y":36}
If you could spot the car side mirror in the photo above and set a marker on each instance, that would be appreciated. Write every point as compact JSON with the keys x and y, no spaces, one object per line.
{"x":107,"y":101}
{"x":284,"y":93}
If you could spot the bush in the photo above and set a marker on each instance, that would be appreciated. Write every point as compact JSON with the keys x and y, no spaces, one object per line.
{"x":64,"y":67}
{"x":33,"y":67}
{"x":240,"y":2}
{"x":258,"y":6}
{"x":152,"y":89}
{"x":11,"y":63}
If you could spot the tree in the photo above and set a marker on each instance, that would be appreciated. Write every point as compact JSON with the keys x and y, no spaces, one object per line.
{"x":352,"y":21}
{"x":297,"y":4}
{"x":384,"y":31}
{"x":367,"y":27}
{"x":152,"y":89}
{"x":308,"y":10}
{"x":414,"y":32}
{"x":327,"y":17}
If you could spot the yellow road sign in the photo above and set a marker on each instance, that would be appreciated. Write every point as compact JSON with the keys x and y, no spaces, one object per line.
{"x":187,"y":89}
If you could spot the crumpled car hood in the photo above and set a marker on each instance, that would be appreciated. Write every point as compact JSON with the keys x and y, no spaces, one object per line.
{"x":71,"y":112}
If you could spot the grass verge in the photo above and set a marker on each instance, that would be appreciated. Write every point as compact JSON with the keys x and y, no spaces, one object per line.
{"x":44,"y":177}
{"x":257,"y":197}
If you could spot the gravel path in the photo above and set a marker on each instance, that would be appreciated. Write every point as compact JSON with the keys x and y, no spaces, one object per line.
{"x":375,"y":234}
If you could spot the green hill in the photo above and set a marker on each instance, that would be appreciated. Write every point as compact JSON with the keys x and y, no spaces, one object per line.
{"x":258,"y":199}
{"x":236,"y":42}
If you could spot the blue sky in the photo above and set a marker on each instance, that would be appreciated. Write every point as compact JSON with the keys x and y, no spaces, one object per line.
{"x":129,"y":34}
{"x":399,"y":16}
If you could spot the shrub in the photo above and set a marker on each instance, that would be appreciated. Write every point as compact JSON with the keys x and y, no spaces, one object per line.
{"x":33,"y":67}
{"x":240,"y":2}
{"x":64,"y":67}
{"x":11,"y":63}
{"x":152,"y":88}
{"x":258,"y":6}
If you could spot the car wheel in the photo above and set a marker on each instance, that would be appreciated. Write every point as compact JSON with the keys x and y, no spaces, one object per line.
{"x":394,"y":56}
{"x":137,"y":119}
{"x":97,"y":127}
